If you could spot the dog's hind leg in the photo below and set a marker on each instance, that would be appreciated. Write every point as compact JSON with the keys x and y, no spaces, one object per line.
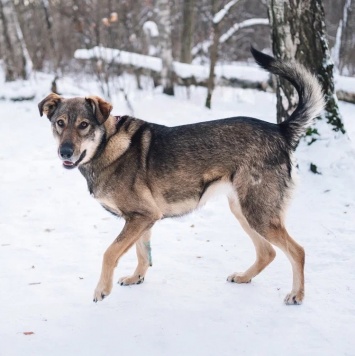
{"x":261,"y":208}
{"x":278,"y":236}
{"x":144,"y":261}
{"x":265,"y":253}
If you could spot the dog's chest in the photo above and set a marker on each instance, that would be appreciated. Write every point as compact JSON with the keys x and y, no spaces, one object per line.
{"x":108,"y":203}
{"x":96,"y":190}
{"x":106,"y":200}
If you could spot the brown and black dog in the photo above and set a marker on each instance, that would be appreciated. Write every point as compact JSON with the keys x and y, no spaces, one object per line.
{"x":145,"y":172}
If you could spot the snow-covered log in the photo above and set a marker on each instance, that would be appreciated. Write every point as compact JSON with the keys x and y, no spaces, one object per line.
{"x":228,"y":74}
{"x":346,"y":96}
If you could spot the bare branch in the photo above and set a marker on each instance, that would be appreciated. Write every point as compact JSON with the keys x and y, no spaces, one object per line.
{"x":238,"y":26}
{"x":221,"y":14}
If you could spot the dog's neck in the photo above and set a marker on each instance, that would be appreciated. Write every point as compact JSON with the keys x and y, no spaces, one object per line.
{"x":111,"y":126}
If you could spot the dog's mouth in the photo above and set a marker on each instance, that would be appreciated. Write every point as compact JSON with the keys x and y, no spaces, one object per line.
{"x":71,"y":165}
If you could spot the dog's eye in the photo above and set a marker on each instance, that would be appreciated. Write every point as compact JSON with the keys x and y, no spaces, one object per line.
{"x":60,"y":123}
{"x":83,"y":125}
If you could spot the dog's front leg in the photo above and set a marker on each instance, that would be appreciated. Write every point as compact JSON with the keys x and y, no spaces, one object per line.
{"x":134,"y":228}
{"x":144,"y":261}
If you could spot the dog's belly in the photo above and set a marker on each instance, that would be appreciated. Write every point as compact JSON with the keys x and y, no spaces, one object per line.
{"x":218,"y":188}
{"x":178,"y":208}
{"x":185,"y":206}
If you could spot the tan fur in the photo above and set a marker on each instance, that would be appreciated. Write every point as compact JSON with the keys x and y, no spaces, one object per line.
{"x":264,"y":251}
{"x":101,"y":108}
{"x":131,"y":233}
{"x":278,"y":235}
{"x":49,"y":104}
{"x":142,"y":246}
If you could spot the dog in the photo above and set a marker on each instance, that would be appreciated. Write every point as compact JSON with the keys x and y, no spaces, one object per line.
{"x":146,"y":172}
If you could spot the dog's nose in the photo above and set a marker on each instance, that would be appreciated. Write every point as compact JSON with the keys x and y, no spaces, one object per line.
{"x":66,"y":150}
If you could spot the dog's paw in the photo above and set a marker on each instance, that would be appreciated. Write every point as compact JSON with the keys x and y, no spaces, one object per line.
{"x":294,"y":298}
{"x":101,"y":292}
{"x":238,"y":278}
{"x":128,"y":280}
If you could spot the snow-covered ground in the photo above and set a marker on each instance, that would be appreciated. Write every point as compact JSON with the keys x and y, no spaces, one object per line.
{"x":53,"y":235}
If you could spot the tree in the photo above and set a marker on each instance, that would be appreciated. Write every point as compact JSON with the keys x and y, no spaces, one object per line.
{"x":298,"y":32}
{"x":347,"y":38}
{"x":164,"y":26}
{"x":17,"y":60}
{"x":213,"y":50}
{"x":187,"y":31}
{"x":217,"y":38}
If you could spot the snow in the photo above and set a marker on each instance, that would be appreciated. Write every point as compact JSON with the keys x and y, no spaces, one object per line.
{"x":221,"y":14}
{"x":344,"y":83}
{"x":53,"y":235}
{"x":150,"y":28}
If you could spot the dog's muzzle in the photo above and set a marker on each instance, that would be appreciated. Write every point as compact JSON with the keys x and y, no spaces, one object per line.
{"x":66,"y":152}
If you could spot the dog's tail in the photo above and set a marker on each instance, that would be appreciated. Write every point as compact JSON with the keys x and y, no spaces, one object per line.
{"x":311,"y":98}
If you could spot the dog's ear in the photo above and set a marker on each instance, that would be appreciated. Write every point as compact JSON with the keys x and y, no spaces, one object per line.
{"x":100,"y":108}
{"x":49,"y":105}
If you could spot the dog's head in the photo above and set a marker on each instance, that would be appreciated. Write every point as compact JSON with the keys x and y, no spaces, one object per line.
{"x":77,"y":124}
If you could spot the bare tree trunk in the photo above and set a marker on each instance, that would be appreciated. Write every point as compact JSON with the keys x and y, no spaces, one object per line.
{"x":213,"y":60}
{"x":187,"y":31}
{"x":17,"y":60}
{"x":164,"y":25}
{"x":49,"y":24}
{"x":347,"y":39}
{"x":215,"y":35}
{"x":298,"y":32}
{"x":217,"y":39}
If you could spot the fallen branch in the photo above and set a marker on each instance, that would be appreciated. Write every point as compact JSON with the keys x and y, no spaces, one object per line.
{"x":22,"y":98}
{"x":346,"y":96}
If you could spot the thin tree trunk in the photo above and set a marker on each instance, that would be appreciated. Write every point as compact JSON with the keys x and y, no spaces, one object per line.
{"x":218,"y":18}
{"x":164,"y":25}
{"x":347,"y":39}
{"x":49,"y":24}
{"x":215,"y":34}
{"x":187,"y":31}
{"x":17,"y":60}
{"x":213,"y":60}
{"x":298,"y":32}
{"x":8,"y":53}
